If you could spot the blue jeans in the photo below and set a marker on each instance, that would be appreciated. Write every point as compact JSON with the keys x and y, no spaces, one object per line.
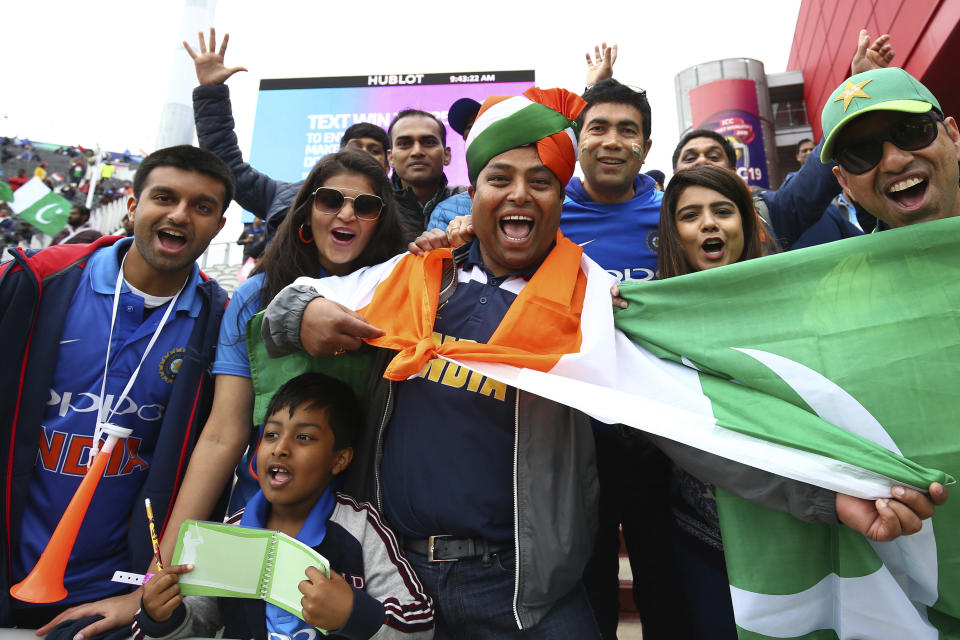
{"x":474,"y":599}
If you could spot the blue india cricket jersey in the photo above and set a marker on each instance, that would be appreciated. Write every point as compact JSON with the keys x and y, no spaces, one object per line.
{"x":71,"y":415}
{"x":622,"y":238}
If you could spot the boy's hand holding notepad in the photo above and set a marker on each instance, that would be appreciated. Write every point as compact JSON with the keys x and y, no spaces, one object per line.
{"x":240,"y":562}
{"x":327,"y":602}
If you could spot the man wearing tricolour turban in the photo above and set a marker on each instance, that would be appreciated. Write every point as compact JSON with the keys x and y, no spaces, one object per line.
{"x":542,"y":116}
{"x":492,"y":491}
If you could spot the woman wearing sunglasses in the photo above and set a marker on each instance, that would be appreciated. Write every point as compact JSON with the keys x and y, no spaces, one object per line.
{"x":343,"y":218}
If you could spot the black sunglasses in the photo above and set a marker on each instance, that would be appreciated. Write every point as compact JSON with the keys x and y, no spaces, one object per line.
{"x":366,"y":206}
{"x":910,"y":134}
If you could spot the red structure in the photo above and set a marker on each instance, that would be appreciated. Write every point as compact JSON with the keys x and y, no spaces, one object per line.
{"x":924,"y":33}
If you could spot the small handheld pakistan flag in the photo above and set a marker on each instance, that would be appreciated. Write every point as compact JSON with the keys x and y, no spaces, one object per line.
{"x":41,"y":207}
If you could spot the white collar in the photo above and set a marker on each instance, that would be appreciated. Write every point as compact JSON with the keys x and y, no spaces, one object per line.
{"x":149,"y":301}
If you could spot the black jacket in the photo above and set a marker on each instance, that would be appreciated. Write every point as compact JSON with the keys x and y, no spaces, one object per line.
{"x":555,"y":476}
{"x":413,"y":215}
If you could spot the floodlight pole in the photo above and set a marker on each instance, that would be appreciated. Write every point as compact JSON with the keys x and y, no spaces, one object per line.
{"x":94,"y":177}
{"x":176,"y":119}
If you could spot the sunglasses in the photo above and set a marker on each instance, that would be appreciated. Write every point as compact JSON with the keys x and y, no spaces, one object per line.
{"x":366,"y":206}
{"x":910,"y":134}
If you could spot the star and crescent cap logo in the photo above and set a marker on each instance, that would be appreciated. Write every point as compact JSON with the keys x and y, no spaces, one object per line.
{"x":852,"y":90}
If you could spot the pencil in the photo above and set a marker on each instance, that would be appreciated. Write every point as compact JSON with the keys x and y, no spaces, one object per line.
{"x":153,"y":534}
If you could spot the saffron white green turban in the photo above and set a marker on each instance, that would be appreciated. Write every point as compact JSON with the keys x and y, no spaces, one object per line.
{"x":542,"y":116}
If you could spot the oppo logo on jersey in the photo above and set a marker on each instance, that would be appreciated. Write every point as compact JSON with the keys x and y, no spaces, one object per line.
{"x":628,"y":274}
{"x":90,"y":402}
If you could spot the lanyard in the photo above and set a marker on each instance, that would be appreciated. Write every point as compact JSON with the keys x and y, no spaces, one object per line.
{"x":98,"y":432}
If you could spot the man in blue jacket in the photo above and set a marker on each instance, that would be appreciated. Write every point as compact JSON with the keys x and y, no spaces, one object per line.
{"x":797,"y":212}
{"x":122,"y":332}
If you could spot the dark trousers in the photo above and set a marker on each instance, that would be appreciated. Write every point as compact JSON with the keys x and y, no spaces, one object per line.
{"x":635,"y":493}
{"x":708,"y":608}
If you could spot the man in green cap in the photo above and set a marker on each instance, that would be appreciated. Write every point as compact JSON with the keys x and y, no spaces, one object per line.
{"x":896,"y":153}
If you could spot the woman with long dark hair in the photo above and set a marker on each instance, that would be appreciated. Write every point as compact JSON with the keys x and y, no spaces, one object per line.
{"x":707,"y":220}
{"x":343,"y":218}
{"x":304,"y":243}
{"x":701,"y":230}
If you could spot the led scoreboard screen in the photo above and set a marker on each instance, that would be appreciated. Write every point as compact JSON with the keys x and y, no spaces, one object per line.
{"x":300,"y":120}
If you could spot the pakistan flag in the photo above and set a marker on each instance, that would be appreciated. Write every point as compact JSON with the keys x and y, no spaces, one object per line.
{"x":865,"y":335}
{"x":41,"y":207}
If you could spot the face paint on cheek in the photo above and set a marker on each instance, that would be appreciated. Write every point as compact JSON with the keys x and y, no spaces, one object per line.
{"x":584,"y":148}
{"x":637,"y":150}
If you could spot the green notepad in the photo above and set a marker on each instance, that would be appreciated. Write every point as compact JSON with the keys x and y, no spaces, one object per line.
{"x":241,"y":562}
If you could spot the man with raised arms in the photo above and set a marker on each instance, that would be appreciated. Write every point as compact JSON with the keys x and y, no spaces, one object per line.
{"x":257,"y":192}
{"x":494,"y":493}
{"x":414,"y":146}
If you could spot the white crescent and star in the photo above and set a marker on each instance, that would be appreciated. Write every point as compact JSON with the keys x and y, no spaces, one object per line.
{"x":906,"y":581}
{"x":56,"y":206}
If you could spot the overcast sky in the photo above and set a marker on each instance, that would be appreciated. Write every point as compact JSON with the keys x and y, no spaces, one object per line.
{"x":98,"y":73}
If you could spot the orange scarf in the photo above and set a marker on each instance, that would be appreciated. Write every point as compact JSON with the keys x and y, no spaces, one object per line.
{"x":542,"y":324}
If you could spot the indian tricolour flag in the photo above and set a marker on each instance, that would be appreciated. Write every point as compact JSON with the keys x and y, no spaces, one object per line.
{"x":41,"y":207}
{"x":836,"y":366}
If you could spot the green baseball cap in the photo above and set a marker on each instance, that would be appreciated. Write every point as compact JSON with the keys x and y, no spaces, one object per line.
{"x":890,"y":89}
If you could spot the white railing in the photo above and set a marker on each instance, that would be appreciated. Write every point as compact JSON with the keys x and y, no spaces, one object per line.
{"x":107,"y":218}
{"x":229,"y":253}
{"x":222,"y":261}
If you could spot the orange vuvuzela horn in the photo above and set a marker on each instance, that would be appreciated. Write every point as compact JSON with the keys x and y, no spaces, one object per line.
{"x":44,"y":584}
